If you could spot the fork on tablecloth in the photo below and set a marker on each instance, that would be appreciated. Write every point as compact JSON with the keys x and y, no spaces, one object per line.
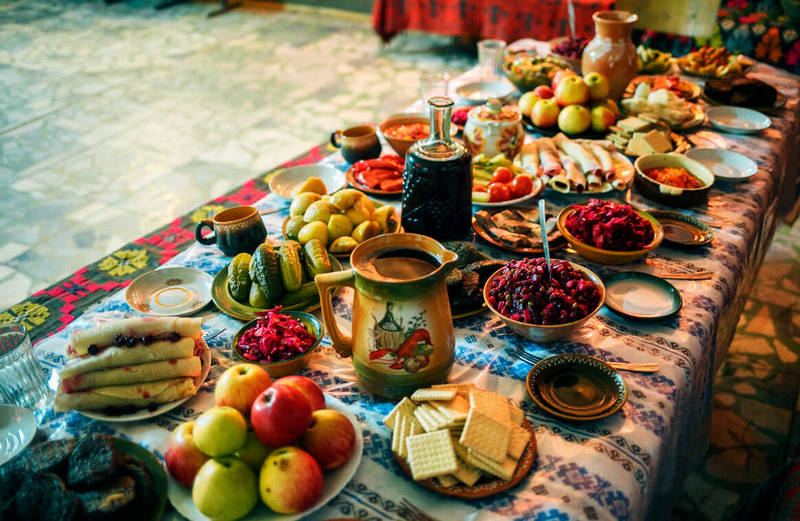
{"x":643,"y":367}
{"x":413,"y":512}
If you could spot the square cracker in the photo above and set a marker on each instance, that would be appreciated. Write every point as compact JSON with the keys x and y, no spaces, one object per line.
{"x":431,"y":455}
{"x":466,"y":473}
{"x":423,"y":418}
{"x":462,"y":389}
{"x":455,"y":409}
{"x":515,"y":414}
{"x":397,"y":432}
{"x":490,"y":404}
{"x":429,"y":395}
{"x":440,"y":419}
{"x":504,"y":470}
{"x":519,"y":440}
{"x":405,"y":405}
{"x":447,"y":480}
{"x":486,"y":435}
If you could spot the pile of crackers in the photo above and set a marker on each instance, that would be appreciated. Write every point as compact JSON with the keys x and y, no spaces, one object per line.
{"x":458,"y":433}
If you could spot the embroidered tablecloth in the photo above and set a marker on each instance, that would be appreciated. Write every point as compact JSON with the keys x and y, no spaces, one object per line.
{"x":623,"y":467}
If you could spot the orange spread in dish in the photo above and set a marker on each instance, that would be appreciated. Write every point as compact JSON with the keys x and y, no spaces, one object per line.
{"x":413,"y":131}
{"x":674,"y":176}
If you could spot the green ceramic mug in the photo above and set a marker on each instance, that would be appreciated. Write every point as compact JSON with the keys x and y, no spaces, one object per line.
{"x":235,"y":230}
{"x":357,"y":143}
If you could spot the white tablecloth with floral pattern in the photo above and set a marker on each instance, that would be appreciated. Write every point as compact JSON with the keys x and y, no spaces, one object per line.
{"x":623,"y":467}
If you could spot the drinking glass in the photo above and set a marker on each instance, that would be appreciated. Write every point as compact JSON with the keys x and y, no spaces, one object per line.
{"x":22,"y":381}
{"x":432,"y":84}
{"x":490,"y":58}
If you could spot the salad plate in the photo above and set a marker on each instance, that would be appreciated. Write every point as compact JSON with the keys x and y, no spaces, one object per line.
{"x":641,"y":296}
{"x":726,"y":165}
{"x":538,"y":186}
{"x":738,"y":120}
{"x":335,"y":481}
{"x":170,"y":292}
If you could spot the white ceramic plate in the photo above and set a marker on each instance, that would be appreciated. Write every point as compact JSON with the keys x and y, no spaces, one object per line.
{"x":537,"y":189}
{"x":725,"y":164}
{"x":738,"y":120}
{"x":170,"y":292}
{"x":477,"y":92}
{"x":286,"y":182}
{"x":145,"y":414}
{"x":335,"y":481}
{"x":17,"y":428}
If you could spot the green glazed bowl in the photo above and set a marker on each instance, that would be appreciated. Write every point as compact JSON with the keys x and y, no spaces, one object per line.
{"x":284,"y":367}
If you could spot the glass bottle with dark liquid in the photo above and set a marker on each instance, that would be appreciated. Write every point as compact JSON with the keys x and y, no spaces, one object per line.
{"x":437,"y":181}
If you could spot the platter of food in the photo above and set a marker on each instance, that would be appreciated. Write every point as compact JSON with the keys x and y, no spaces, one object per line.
{"x":640,"y":136}
{"x":744,"y":92}
{"x":576,"y":166}
{"x":291,"y":181}
{"x":340,"y":221}
{"x":663,"y":105}
{"x":461,"y":441}
{"x":465,"y":282}
{"x":282,"y":276}
{"x":96,"y":476}
{"x":497,"y":181}
{"x":609,"y":232}
{"x":714,"y":62}
{"x":516,"y":229}
{"x":684,"y":89}
{"x":528,"y":70}
{"x":267,"y":450}
{"x":133,"y":369}
{"x":403,"y":130}
{"x":673,"y":179}
{"x":382,"y":177}
{"x":569,"y":50}
{"x":652,"y":61}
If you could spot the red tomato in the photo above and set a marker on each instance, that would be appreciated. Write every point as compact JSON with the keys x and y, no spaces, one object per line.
{"x":478,"y":188}
{"x":521,"y":185}
{"x":499,"y":192}
{"x":502,"y":175}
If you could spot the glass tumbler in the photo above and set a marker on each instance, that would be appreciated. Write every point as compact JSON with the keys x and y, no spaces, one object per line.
{"x":490,"y":58}
{"x":432,"y":84}
{"x":22,"y":381}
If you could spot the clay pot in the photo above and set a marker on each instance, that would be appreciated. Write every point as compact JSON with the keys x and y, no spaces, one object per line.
{"x":611,"y":51}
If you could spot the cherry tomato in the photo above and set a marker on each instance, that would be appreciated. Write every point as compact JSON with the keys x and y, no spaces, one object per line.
{"x":521,"y":185}
{"x":478,"y":188}
{"x":499,"y":192}
{"x":502,"y":175}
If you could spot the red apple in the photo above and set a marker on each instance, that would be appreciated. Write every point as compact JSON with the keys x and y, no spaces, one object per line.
{"x":182,"y":456}
{"x":545,"y":113}
{"x":572,"y":91}
{"x":239,"y":385}
{"x":308,"y":387}
{"x":291,"y":481}
{"x":560,"y":75}
{"x":330,"y":438}
{"x":543,"y":91}
{"x":602,"y":118}
{"x":280,"y":415}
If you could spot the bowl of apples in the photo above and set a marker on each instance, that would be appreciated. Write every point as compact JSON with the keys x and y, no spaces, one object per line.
{"x":266,"y":450}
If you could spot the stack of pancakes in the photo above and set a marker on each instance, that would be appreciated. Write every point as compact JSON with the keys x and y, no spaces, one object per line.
{"x":130,"y":364}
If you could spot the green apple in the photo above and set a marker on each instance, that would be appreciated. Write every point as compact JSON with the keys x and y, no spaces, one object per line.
{"x":220,"y":431}
{"x":225,"y":489}
{"x":574,"y":119}
{"x":602,"y":118}
{"x":254,"y":452}
{"x":526,"y":102}
{"x":598,"y":86}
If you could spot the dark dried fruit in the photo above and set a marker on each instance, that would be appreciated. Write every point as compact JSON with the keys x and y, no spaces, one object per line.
{"x":93,"y":349}
{"x":174,"y":336}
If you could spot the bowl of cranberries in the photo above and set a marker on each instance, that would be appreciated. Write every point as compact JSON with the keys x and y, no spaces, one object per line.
{"x":609,"y":232}
{"x":540,"y":305}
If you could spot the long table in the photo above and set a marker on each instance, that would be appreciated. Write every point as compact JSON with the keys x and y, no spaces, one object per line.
{"x":627,"y":466}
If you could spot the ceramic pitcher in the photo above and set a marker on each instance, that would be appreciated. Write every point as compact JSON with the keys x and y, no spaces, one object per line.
{"x":402,"y":331}
{"x":611,"y":51}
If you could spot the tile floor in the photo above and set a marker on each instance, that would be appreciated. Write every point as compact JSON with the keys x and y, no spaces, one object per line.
{"x":114,"y":120}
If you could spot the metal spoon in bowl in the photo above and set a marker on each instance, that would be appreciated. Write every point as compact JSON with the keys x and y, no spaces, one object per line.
{"x":545,"y":243}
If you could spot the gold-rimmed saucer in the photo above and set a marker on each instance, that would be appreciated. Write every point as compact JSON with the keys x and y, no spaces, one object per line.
{"x":170,"y":292}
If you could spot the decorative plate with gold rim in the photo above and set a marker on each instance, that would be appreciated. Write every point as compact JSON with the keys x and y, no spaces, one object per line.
{"x":483,"y":488}
{"x":576,"y":387}
{"x":170,"y":292}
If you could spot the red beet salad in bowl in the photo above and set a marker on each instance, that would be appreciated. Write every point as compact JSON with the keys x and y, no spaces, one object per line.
{"x":543,"y":306}
{"x":609,"y":232}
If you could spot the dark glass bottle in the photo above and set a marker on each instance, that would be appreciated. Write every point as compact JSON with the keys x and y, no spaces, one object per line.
{"x":437,"y":181}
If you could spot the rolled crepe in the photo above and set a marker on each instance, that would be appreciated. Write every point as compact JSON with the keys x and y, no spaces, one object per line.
{"x":133,"y":395}
{"x":529,"y":158}
{"x":125,"y":356}
{"x":103,"y":335}
{"x":594,"y":182}
{"x":560,"y":183}
{"x":548,"y":158}
{"x":622,"y":177}
{"x":134,"y":374}
{"x":585,"y":159}
{"x":604,"y":158}
{"x":575,"y":177}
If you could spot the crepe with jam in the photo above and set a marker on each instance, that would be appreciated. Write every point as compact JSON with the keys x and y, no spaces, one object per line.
{"x":133,"y":363}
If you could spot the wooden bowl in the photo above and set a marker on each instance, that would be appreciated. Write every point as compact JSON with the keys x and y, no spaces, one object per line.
{"x":547,"y":333}
{"x":401,"y":146}
{"x":602,"y":256}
